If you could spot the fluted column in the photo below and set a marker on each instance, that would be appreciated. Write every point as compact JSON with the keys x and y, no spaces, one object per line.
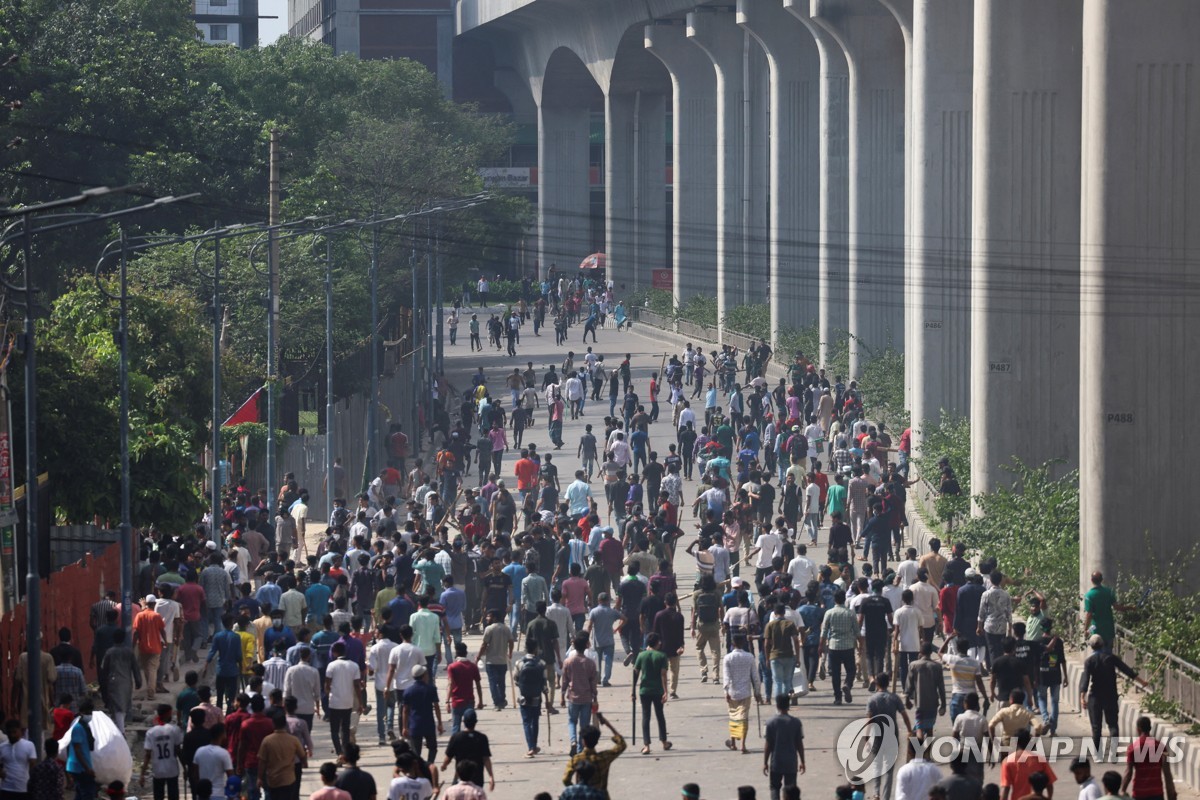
{"x":1140,"y":309}
{"x":694,"y":153}
{"x":1025,"y":235}
{"x":873,"y":45}
{"x":939,"y":342}
{"x":634,"y":191}
{"x":717,"y":35}
{"x":794,"y":160}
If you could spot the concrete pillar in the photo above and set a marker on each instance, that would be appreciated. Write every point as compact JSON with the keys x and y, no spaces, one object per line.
{"x":938,"y":351}
{"x":1025,"y":236}
{"x":757,"y":180}
{"x":634,"y":192}
{"x":694,"y":154}
{"x":718,"y":36}
{"x":834,"y":180}
{"x":564,"y":201}
{"x":1140,"y":313}
{"x":874,"y":48}
{"x":794,"y":214}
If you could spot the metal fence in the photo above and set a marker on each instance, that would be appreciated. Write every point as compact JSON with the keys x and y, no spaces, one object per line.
{"x":1180,"y":680}
{"x":305,"y":455}
{"x":71,"y":543}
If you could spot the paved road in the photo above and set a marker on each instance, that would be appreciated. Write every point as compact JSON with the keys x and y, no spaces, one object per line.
{"x":697,"y":721}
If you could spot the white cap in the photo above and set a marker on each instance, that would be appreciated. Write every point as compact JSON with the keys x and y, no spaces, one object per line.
{"x":211,"y":545}
{"x":150,"y":599}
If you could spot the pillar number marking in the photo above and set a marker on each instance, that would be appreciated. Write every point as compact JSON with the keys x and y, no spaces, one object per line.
{"x":1119,"y":418}
{"x":1003,"y":367}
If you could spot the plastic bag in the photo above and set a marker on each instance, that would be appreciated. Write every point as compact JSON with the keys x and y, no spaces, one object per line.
{"x":594,"y":656}
{"x":111,"y":759}
{"x":800,"y":682}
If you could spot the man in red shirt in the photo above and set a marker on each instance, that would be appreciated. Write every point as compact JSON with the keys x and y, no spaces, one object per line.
{"x":191,"y":599}
{"x":1146,"y":766}
{"x":254,"y":729}
{"x":465,"y":686}
{"x":397,"y":447}
{"x":526,"y":470}
{"x":233,"y":724}
{"x":149,"y":634}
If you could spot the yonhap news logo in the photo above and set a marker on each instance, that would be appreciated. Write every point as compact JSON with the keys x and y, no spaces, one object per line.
{"x":868,"y":747}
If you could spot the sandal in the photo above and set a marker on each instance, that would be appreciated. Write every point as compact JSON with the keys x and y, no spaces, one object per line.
{"x":729,"y":744}
{"x":646,"y":750}
{"x":667,"y":745}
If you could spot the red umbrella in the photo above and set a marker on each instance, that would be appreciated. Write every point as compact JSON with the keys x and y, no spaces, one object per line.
{"x":594,"y":261}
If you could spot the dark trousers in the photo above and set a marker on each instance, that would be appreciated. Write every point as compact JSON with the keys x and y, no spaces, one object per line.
{"x":339,"y":727}
{"x":227,"y":689}
{"x":653,"y":702}
{"x":995,"y":646}
{"x":1102,"y":711}
{"x":166,"y":787}
{"x":876,"y":655}
{"x":840,"y":660}
{"x":780,"y":779}
{"x":530,"y":717}
{"x":289,"y":792}
{"x":427,"y":739}
{"x":811,"y":661}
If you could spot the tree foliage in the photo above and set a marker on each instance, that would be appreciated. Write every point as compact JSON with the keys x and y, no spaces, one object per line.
{"x":78,"y":400}
{"x":1032,"y":529}
{"x":949,"y":438}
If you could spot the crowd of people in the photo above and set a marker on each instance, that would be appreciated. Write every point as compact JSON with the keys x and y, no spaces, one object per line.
{"x":553,"y":569}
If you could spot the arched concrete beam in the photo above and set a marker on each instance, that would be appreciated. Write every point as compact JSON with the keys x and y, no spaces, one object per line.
{"x":694,"y":155}
{"x":794,"y":66}
{"x":874,"y":48}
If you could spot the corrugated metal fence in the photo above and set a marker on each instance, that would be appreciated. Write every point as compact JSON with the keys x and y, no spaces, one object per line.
{"x":305,"y":455}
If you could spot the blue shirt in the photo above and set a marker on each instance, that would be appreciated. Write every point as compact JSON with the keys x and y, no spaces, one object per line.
{"x":517,"y":573}
{"x":79,"y":737}
{"x":317,"y":597}
{"x":578,"y":494}
{"x":812,"y":616}
{"x":454,"y":601}
{"x":420,"y":699}
{"x":402,"y":610}
{"x":638,"y":439}
{"x":226,"y":647}
{"x":282,"y":636}
{"x":269,"y":593}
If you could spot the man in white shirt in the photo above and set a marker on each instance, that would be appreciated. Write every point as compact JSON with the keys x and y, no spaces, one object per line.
{"x":303,"y":682}
{"x":1089,"y":787}
{"x":620,"y":450}
{"x":377,"y":665}
{"x":213,"y":762}
{"x":917,"y":777}
{"x":802,"y":569}
{"x":172,"y":614}
{"x":906,"y":642}
{"x":767,"y":546}
{"x":575,"y":395}
{"x":17,"y":757}
{"x":906,"y":570}
{"x":686,"y":416}
{"x":343,"y":685}
{"x":401,"y":660}
{"x":925,"y":598}
{"x":161,"y":746}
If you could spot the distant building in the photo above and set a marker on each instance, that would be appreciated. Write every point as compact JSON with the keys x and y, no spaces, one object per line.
{"x":422,"y":30}
{"x":232,"y":22}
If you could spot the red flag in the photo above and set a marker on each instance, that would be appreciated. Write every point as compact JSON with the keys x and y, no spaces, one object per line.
{"x":247,"y":412}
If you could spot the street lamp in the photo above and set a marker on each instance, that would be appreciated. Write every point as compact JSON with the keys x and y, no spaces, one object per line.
{"x":21,"y":234}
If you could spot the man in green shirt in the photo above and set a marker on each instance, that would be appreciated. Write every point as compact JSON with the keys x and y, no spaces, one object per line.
{"x":1098,"y":605}
{"x":835,"y":496}
{"x":427,"y":633}
{"x":650,"y":680}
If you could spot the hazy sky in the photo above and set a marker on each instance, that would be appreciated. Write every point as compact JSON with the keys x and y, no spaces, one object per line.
{"x":271,"y":29}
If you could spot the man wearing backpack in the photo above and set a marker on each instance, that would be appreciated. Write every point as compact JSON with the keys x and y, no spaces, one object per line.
{"x":530,"y":679}
{"x":706,"y":626}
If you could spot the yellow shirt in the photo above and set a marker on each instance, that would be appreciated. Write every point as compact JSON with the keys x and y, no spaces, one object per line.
{"x":249,"y":650}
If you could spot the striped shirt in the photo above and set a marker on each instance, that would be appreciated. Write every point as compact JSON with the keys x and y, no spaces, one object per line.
{"x":839,"y":629}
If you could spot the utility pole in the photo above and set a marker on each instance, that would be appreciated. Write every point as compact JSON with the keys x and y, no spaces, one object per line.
{"x":273,"y":311}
